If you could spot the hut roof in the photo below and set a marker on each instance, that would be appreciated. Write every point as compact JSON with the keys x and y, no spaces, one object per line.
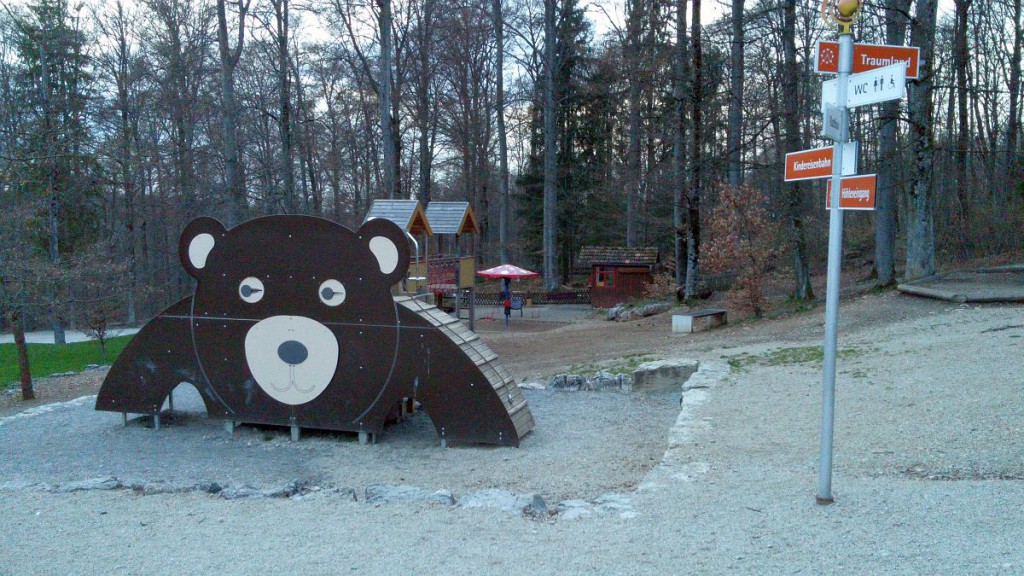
{"x":594,"y":255}
{"x":452,"y":218}
{"x":408,"y":214}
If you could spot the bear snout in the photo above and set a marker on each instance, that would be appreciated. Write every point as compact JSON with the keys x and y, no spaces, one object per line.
{"x":292,"y":352}
{"x":292,"y":358}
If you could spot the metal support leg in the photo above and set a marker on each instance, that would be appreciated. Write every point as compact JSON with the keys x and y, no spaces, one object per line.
{"x":364,"y":438}
{"x":229,"y":427}
{"x":124,"y":416}
{"x":295,"y":433}
{"x":156,"y":421}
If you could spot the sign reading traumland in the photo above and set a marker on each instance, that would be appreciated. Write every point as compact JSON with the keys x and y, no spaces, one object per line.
{"x":855,"y":193}
{"x":292,"y":323}
{"x":817,"y":163}
{"x":867,"y":57}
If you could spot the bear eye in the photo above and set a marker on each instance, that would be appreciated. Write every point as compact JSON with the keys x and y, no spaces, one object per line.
{"x":251,"y":290}
{"x":332,"y":292}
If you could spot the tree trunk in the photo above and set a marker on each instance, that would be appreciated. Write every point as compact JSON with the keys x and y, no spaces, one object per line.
{"x":17,"y":323}
{"x":499,"y":111}
{"x":551,"y":280}
{"x":896,"y":12}
{"x":1003,"y":189}
{"x":794,"y":191}
{"x":53,"y":221}
{"x":386,"y":123}
{"x":284,"y":120}
{"x":696,"y":160}
{"x":734,"y":138}
{"x":426,"y":155}
{"x":681,"y":65}
{"x":963,"y":125}
{"x":237,"y":204}
{"x":920,"y":223}
{"x":633,"y":59}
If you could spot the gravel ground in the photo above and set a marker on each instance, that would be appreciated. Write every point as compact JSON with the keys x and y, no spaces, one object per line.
{"x":581,"y":449}
{"x":929,"y":467}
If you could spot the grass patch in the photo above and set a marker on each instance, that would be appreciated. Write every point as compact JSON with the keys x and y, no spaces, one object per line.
{"x":628,"y":365}
{"x":633,"y":361}
{"x":47,"y":359}
{"x":788,"y":357}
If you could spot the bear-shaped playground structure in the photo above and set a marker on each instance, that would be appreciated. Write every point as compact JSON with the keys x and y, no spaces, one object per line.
{"x":293,"y":323}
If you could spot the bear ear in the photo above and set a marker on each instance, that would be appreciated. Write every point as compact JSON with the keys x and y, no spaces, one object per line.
{"x":197,"y":240}
{"x":389,"y":246}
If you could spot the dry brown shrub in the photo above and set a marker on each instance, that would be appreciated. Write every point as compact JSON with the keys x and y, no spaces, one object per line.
{"x":743,"y":239}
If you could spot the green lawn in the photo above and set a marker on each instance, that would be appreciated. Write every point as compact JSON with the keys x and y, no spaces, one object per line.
{"x":46,"y":359}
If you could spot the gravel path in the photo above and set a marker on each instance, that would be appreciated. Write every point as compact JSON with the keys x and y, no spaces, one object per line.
{"x":929,"y":469}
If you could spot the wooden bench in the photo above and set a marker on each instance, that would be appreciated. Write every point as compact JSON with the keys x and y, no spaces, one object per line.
{"x":699,"y":320}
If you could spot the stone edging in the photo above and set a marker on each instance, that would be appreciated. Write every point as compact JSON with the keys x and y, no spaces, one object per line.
{"x":674,"y":465}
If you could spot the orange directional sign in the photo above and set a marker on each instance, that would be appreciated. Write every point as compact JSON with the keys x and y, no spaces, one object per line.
{"x":817,"y":163}
{"x":855,"y":193}
{"x":867,"y":57}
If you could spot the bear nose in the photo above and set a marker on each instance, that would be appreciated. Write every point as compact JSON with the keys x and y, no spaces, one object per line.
{"x":292,"y":352}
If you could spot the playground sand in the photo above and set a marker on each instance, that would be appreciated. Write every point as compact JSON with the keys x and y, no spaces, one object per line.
{"x":928,"y":473}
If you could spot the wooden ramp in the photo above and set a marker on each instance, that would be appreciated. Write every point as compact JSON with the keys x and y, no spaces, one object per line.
{"x":500,"y":379}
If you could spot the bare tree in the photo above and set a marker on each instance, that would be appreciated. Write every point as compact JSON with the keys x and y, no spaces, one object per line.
{"x":286,"y":201}
{"x":387,"y":124}
{"x":736,"y":73}
{"x":681,"y":61}
{"x":1013,"y":125}
{"x":551,"y":280}
{"x":499,"y":111}
{"x":229,"y":57}
{"x":424,"y":76}
{"x":960,"y":57}
{"x":920,"y":223}
{"x":635,"y":12}
{"x":120,"y":66}
{"x":896,"y":16}
{"x":794,"y":193}
{"x":693,"y":195}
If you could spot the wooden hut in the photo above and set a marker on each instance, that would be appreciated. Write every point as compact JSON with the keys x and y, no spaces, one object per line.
{"x":452,"y":273}
{"x":454,"y":225}
{"x":617,"y":274}
{"x":408,"y":214}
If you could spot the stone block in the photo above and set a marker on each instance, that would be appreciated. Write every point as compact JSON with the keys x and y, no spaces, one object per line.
{"x":663,"y":375}
{"x":697,"y":321}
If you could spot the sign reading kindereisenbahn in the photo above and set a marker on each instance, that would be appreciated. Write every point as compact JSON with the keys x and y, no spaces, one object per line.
{"x":817,"y":163}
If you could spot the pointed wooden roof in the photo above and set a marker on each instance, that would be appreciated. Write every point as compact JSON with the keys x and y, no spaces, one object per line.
{"x":408,"y":214}
{"x":452,"y":218}
{"x":593,"y":255}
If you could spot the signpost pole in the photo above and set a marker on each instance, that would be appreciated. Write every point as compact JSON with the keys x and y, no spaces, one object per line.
{"x":835,"y":254}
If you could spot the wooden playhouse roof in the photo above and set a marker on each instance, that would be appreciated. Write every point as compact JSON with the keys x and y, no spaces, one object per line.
{"x":452,"y":218}
{"x":609,"y":255}
{"x":408,"y":214}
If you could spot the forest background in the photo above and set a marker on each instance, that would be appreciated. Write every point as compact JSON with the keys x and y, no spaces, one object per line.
{"x":120,"y":122}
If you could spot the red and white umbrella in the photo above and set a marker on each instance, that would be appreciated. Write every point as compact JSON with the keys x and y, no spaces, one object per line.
{"x":507,"y":271}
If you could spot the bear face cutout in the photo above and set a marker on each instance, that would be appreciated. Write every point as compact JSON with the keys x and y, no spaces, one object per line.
{"x":292,"y":322}
{"x":272,"y":303}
